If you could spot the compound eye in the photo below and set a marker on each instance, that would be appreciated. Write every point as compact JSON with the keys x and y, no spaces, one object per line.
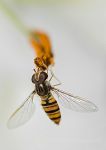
{"x":43,"y":76}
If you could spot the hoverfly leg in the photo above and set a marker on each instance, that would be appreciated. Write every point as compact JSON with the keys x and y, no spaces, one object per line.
{"x":53,"y":76}
{"x":57,"y":84}
{"x":34,"y":70}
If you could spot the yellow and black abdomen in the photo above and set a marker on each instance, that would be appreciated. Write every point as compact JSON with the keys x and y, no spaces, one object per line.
{"x":51,"y":108}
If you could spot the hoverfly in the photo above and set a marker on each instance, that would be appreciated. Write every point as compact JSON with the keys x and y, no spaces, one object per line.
{"x":45,"y":90}
{"x":42,"y":47}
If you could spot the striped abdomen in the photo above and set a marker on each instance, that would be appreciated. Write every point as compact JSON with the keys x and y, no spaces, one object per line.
{"x":51,"y":108}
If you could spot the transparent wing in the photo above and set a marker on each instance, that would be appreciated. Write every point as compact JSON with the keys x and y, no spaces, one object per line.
{"x":23,"y":113}
{"x":75,"y":103}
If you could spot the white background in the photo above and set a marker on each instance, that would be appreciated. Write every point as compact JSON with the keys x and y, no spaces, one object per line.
{"x":77,"y":32}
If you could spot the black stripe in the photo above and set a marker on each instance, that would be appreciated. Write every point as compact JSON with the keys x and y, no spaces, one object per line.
{"x":56,"y":118}
{"x":47,"y":103}
{"x":52,"y":111}
{"x":57,"y":112}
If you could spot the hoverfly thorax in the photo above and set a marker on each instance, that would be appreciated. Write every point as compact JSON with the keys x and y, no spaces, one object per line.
{"x":39,"y":77}
{"x":42,"y":86}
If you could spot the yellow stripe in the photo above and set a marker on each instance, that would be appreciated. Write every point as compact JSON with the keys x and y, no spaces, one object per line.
{"x":43,"y":102}
{"x":50,"y":104}
{"x":52,"y":100}
{"x":45,"y":99}
{"x":54,"y":115}
{"x":51,"y":108}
